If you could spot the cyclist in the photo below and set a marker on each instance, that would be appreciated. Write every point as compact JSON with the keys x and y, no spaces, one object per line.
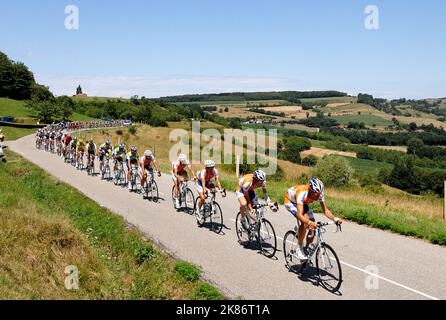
{"x":52,"y":136}
{"x":66,"y":143}
{"x":119,"y":155}
{"x":297,"y":200}
{"x":132,"y":158}
{"x":179,"y":174}
{"x":91,"y":151}
{"x":207,"y":179}
{"x":80,"y":146}
{"x":59,"y":135}
{"x":104,"y":150}
{"x":246,"y":194}
{"x":148,"y":163}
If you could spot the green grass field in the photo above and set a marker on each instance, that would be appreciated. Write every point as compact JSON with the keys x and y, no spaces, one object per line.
{"x":366,"y":167}
{"x":12,"y":133}
{"x":46,"y":225}
{"x":368,"y":119}
{"x":13,"y":108}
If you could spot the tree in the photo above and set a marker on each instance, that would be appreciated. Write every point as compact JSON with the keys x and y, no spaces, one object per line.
{"x":144,"y":114}
{"x":334,"y":171}
{"x":310,"y":161}
{"x":66,"y":105}
{"x":414,"y":145}
{"x":292,"y":147}
{"x":413,"y":126}
{"x":46,"y":111}
{"x":41,"y":93}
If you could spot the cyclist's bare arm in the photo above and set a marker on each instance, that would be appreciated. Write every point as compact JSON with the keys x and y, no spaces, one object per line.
{"x":217,"y":180}
{"x":191,"y":170}
{"x":300,"y":214}
{"x":328,"y":213}
{"x":203,"y":183}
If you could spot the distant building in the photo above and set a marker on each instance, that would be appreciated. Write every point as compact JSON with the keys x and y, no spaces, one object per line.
{"x":79,"y":92}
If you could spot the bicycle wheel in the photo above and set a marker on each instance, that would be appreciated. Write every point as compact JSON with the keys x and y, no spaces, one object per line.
{"x":217,"y":219}
{"x":328,"y":268}
{"x":154,"y":192}
{"x":116,"y":177}
{"x":189,"y":202}
{"x":293,"y":263}
{"x":242,"y":233}
{"x":267,"y":239}
{"x":199,"y":215}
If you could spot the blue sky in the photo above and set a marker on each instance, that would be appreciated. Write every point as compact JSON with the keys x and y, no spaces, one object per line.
{"x":157,"y":48}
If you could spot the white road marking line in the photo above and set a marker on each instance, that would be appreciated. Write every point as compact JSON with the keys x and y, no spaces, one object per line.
{"x":379,"y":277}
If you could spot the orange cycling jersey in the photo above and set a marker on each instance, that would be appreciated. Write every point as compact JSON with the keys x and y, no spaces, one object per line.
{"x":207,"y":176}
{"x":246,"y":183}
{"x":300,"y":194}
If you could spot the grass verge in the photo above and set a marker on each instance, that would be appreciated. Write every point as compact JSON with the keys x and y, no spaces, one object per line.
{"x":46,"y":225}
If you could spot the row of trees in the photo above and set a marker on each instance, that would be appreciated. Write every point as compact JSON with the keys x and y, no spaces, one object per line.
{"x":16,"y":81}
{"x":291,"y":96}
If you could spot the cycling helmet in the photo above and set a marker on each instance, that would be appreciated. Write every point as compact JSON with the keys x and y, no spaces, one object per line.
{"x":260,"y":175}
{"x":209,"y":163}
{"x":121,"y":146}
{"x":75,"y":139}
{"x":133,"y":149}
{"x":148,"y":153}
{"x":182,"y":158}
{"x":107,"y":142}
{"x":316,"y":185}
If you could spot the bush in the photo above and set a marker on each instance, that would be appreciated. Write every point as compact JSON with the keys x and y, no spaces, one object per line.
{"x":334,"y":171}
{"x":133,"y":130}
{"x":370,"y":183}
{"x":206,"y":292}
{"x":310,"y":161}
{"x":143,"y":252}
{"x":119,"y":132}
{"x":187,"y":271}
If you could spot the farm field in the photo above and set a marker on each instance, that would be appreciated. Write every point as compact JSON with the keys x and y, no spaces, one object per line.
{"x":368,"y":119}
{"x":321,"y":152}
{"x":366,"y":167}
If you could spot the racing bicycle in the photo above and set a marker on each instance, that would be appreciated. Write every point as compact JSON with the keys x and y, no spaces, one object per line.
{"x":210,"y":210}
{"x":327,"y":262}
{"x":260,"y":230}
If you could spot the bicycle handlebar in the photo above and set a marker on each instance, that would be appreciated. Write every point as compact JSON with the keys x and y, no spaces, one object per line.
{"x":263,"y":205}
{"x":323,"y":224}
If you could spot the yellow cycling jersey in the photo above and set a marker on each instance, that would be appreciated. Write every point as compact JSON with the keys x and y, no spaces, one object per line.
{"x":80,"y":145}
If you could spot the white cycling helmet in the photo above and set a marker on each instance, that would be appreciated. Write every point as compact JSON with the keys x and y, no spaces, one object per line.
{"x":209,"y":163}
{"x":260,"y":175}
{"x":316,"y":185}
{"x":182,"y":158}
{"x":148,"y":153}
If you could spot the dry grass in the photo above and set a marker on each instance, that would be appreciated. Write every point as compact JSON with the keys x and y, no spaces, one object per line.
{"x":319,"y":152}
{"x":393,"y":199}
{"x":396,"y":148}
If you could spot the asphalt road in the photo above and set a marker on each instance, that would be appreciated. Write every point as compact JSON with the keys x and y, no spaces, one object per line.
{"x":400,"y":267}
